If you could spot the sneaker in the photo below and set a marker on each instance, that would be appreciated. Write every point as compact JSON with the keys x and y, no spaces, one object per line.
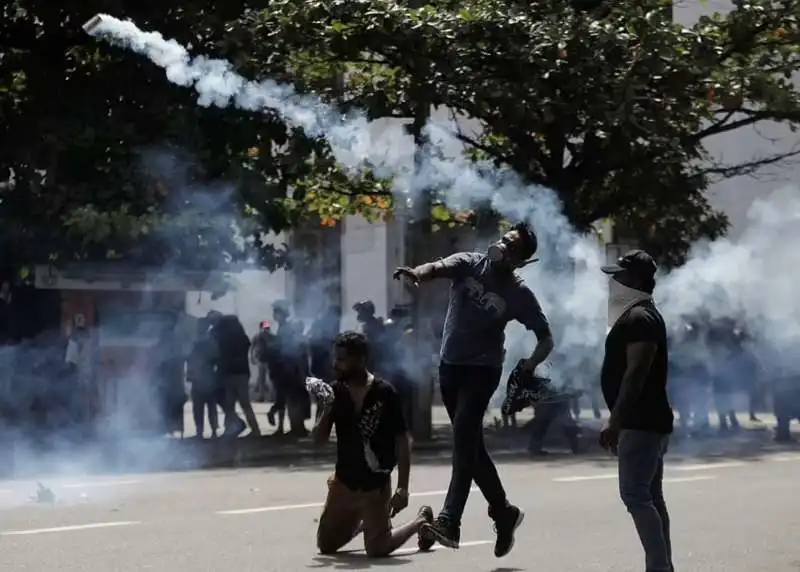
{"x":426,"y":513}
{"x":440,"y":531}
{"x":506,"y":521}
{"x":425,"y":543}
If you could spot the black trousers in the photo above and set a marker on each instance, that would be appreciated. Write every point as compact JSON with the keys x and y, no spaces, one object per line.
{"x":466,"y":392}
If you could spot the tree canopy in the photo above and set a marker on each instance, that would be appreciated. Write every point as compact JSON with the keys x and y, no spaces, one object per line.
{"x":609,"y":104}
{"x":101,"y":157}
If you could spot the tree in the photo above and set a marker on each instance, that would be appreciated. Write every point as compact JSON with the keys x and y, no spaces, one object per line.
{"x":609,"y":104}
{"x":92,"y":136}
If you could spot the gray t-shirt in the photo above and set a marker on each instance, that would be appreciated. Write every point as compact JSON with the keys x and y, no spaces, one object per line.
{"x":482,"y":302}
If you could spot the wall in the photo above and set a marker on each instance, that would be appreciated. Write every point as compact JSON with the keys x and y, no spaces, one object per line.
{"x":366,"y":255}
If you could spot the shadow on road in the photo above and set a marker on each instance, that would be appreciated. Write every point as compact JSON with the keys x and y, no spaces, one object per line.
{"x":356,"y":560}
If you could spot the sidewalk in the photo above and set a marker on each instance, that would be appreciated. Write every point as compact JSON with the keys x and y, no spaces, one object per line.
{"x":278,"y":449}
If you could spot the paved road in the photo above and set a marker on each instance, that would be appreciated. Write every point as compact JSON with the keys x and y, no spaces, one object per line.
{"x":730,"y":515}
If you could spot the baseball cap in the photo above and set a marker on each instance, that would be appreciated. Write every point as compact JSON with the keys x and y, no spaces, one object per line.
{"x":635,"y":261}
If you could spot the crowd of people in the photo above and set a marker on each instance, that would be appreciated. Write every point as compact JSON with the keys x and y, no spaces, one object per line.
{"x":284,"y":353}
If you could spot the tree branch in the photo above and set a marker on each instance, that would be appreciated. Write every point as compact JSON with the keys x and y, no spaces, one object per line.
{"x":748,"y":168}
{"x":752,"y":116}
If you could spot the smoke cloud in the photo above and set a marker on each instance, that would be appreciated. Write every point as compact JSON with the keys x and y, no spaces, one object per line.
{"x":751,"y":279}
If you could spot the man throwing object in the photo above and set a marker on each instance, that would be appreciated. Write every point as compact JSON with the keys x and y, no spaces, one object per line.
{"x":485,"y":295}
{"x":371,"y":439}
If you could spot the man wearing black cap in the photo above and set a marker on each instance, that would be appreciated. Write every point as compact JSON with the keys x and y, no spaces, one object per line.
{"x":634,"y":382}
{"x":485,"y":294}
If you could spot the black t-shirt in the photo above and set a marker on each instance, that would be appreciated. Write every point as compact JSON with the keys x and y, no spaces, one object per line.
{"x":642,"y":323}
{"x":365,"y":442}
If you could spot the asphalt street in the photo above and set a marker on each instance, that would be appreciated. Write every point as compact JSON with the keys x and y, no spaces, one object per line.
{"x":729,"y":514}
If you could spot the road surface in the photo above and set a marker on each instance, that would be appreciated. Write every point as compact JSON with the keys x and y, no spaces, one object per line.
{"x":729,"y":515}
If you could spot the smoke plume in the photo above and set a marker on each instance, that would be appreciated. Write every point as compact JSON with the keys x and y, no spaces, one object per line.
{"x":750,"y":280}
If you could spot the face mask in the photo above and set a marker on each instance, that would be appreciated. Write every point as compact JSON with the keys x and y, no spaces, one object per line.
{"x":621,"y":298}
{"x":497,"y":252}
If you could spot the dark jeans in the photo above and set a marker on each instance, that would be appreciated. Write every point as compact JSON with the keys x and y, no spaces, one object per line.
{"x":641,"y":476}
{"x":466,"y":392}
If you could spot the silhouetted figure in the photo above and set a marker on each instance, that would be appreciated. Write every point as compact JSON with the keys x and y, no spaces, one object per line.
{"x":233,"y":371}
{"x":259,"y":350}
{"x":374,"y":328}
{"x":201,"y":374}
{"x":288,"y":368}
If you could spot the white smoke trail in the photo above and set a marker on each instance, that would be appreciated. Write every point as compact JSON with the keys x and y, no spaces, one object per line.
{"x":752,"y":278}
{"x":350,"y":137}
{"x":357,"y":145}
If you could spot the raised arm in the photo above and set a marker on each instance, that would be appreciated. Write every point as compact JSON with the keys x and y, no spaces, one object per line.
{"x":454,"y":266}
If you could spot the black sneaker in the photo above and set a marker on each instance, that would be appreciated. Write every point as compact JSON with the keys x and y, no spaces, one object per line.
{"x":440,"y":531}
{"x":506,"y":521}
{"x":425,"y":513}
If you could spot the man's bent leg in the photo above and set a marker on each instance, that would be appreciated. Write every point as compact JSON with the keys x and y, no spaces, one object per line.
{"x":640,"y":461}
{"x":380,"y":539}
{"x":340,"y":518}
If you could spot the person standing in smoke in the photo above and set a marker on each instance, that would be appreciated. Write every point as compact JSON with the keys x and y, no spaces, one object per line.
{"x":399,"y":349}
{"x":374,"y":328}
{"x":371,"y":440}
{"x":259,"y":351}
{"x":634,"y":383}
{"x":170,"y":392}
{"x":320,"y":341}
{"x":288,"y":370}
{"x":485,"y":294}
{"x":79,"y":363}
{"x":201,"y":374}
{"x":726,"y":367}
{"x":233,"y":371}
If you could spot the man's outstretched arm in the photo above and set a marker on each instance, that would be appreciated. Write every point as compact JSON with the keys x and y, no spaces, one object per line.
{"x":453,"y":266}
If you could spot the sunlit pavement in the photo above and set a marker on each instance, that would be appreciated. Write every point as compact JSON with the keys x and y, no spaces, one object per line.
{"x":729,"y":514}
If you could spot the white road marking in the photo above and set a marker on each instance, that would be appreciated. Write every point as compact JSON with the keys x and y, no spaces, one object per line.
{"x":72,"y":528}
{"x":613,"y":476}
{"x":689,"y":479}
{"x":786,"y":458}
{"x":98,"y":484}
{"x":706,"y":466}
{"x":578,"y":479}
{"x":415,"y":550}
{"x":280,"y":508}
{"x":670,"y":468}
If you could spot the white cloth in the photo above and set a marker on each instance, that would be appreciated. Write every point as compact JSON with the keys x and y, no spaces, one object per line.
{"x":621,"y":298}
{"x":73,"y":353}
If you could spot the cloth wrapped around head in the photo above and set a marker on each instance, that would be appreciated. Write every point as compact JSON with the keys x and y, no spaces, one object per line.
{"x":320,"y":390}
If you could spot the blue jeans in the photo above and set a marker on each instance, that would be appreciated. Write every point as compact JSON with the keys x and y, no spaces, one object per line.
{"x":466,"y":393}
{"x":641,"y":476}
